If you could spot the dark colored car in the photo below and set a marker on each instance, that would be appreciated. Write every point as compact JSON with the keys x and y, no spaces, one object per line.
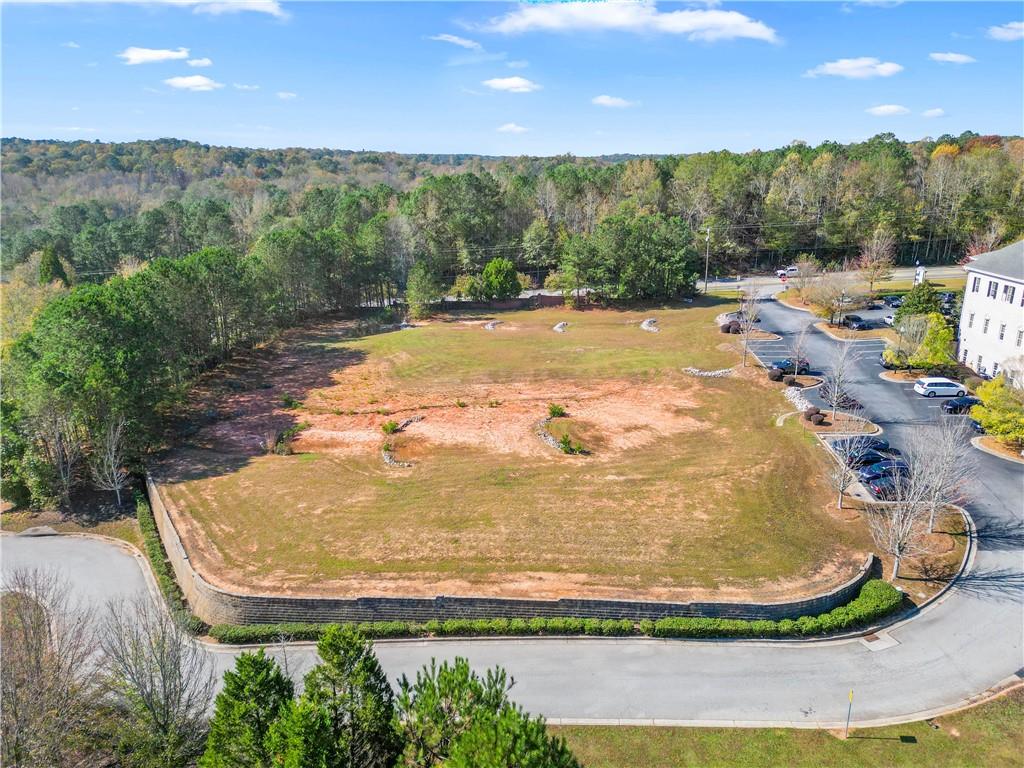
{"x":976,"y":426}
{"x":864,"y":444}
{"x":855,"y":323}
{"x":893,"y":301}
{"x":861,"y":459}
{"x":883,"y":489}
{"x":960,"y":404}
{"x":788,"y":365}
{"x":888,"y":468}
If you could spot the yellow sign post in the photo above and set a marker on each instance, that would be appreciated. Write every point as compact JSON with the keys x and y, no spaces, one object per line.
{"x":849,"y":712}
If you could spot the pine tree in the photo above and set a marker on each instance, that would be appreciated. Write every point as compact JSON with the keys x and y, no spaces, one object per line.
{"x":50,"y":268}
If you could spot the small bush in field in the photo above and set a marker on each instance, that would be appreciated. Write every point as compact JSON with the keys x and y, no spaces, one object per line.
{"x":287,"y":401}
{"x":389,"y":427}
{"x":493,"y":403}
{"x":818,"y":419}
{"x":566,"y":445}
{"x":789,"y":380}
{"x":387,"y":447}
{"x":460,"y":403}
{"x":774,"y":374}
{"x":556,"y":411}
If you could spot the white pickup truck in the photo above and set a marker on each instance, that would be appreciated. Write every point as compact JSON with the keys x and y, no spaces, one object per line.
{"x":787,"y":272}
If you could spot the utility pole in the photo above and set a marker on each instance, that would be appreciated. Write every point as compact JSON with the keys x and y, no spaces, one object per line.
{"x":707,"y":257}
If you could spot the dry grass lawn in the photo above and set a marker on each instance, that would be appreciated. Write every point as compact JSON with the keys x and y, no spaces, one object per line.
{"x":689,"y":490}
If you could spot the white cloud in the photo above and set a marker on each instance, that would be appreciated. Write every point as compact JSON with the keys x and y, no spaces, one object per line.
{"x":1013,"y":30}
{"x":952,"y":58}
{"x":244,"y":87}
{"x":134,"y":55}
{"x":217,"y":7}
{"x":512,"y":128}
{"x":611,"y":101}
{"x":512,"y":84}
{"x":517,"y":64}
{"x":885,"y":110}
{"x":462,"y":42}
{"x":193,"y":83}
{"x":937,"y":112}
{"x":287,"y":95}
{"x":640,"y":17}
{"x":70,"y":44}
{"x":203,"y":62}
{"x":856,"y":69}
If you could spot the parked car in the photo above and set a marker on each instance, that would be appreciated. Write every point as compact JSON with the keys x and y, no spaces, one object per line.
{"x":791,"y":271}
{"x":932,"y":386}
{"x":855,"y":323}
{"x":888,"y":468}
{"x":960,"y":404}
{"x":947,"y":297}
{"x":894,"y":302}
{"x":889,"y":320}
{"x":789,"y":365}
{"x":861,"y":459}
{"x":883,"y":489}
{"x":976,"y":426}
{"x":864,"y":444}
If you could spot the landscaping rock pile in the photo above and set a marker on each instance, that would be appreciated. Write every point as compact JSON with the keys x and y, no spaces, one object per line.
{"x":796,"y":397}
{"x":560,"y":327}
{"x":403,"y":424}
{"x":719,"y":374}
{"x":650,"y":324}
{"x":541,"y":430}
{"x":391,"y":461}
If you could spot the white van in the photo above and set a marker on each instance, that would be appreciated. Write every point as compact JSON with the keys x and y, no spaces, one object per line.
{"x":787,"y":272}
{"x":934,"y":385}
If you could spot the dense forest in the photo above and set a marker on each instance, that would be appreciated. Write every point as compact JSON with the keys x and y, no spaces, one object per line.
{"x":131,"y":268}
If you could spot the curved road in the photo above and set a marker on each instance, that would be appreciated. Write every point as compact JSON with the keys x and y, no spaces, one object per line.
{"x":966,"y":643}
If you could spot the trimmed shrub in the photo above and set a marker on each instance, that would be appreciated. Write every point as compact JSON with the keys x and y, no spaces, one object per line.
{"x":389,"y":427}
{"x":724,"y":328}
{"x":774,"y":374}
{"x":810,"y":412}
{"x":735,"y":327}
{"x":818,"y":419}
{"x":789,"y":380}
{"x":555,"y":411}
{"x":161,"y":566}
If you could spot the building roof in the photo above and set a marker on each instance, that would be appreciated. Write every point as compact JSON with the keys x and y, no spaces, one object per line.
{"x":1007,"y":262}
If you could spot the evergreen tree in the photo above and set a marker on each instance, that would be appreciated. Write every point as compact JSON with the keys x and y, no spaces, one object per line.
{"x":50,"y":268}
{"x":255,"y":695}
{"x":499,"y":280}
{"x":936,"y":349}
{"x":920,"y":300}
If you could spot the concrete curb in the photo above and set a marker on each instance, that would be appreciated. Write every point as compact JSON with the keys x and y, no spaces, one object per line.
{"x":823,"y":327}
{"x":976,"y":442}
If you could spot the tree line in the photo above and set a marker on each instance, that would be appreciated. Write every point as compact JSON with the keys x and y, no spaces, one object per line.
{"x":127,"y":686}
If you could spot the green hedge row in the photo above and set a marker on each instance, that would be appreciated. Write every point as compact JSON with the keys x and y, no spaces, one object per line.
{"x":161,"y":567}
{"x":876,"y":599}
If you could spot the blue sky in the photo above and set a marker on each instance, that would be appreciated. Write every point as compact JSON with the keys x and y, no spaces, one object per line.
{"x":503,"y":78}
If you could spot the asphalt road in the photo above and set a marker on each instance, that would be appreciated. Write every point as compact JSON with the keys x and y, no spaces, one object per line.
{"x":959,"y":647}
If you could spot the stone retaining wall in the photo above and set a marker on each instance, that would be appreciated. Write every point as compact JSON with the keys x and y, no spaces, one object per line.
{"x":216,"y":606}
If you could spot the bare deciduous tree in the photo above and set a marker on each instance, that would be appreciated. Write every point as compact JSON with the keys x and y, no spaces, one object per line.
{"x":837,"y":378}
{"x":899,"y":525}
{"x":62,"y":444}
{"x":798,"y":343}
{"x":841,"y":474}
{"x":748,"y":316}
{"x":910,"y":332}
{"x":877,"y":258}
{"x":49,"y":673}
{"x":807,"y":273}
{"x":158,"y":680}
{"x":831,"y":293}
{"x":106,"y":464}
{"x":942,"y":460}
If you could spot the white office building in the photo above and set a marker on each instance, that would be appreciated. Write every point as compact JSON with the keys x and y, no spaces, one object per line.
{"x":992,"y":320}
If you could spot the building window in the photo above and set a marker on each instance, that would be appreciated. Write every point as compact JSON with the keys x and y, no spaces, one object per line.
{"x":1002,"y":331}
{"x":1008,"y":291}
{"x":1020,"y":336}
{"x":979,"y":367}
{"x":963,"y":357}
{"x":993,"y":289}
{"x":984,"y":328}
{"x":995,"y":369}
{"x":976,"y":285}
{"x":970,"y":320}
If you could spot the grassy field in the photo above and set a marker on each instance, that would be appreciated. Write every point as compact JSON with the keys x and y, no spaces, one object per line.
{"x":988,"y":736}
{"x":689,"y":488}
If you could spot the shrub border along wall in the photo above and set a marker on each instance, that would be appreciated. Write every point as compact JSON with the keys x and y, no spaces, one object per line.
{"x":877,"y":599}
